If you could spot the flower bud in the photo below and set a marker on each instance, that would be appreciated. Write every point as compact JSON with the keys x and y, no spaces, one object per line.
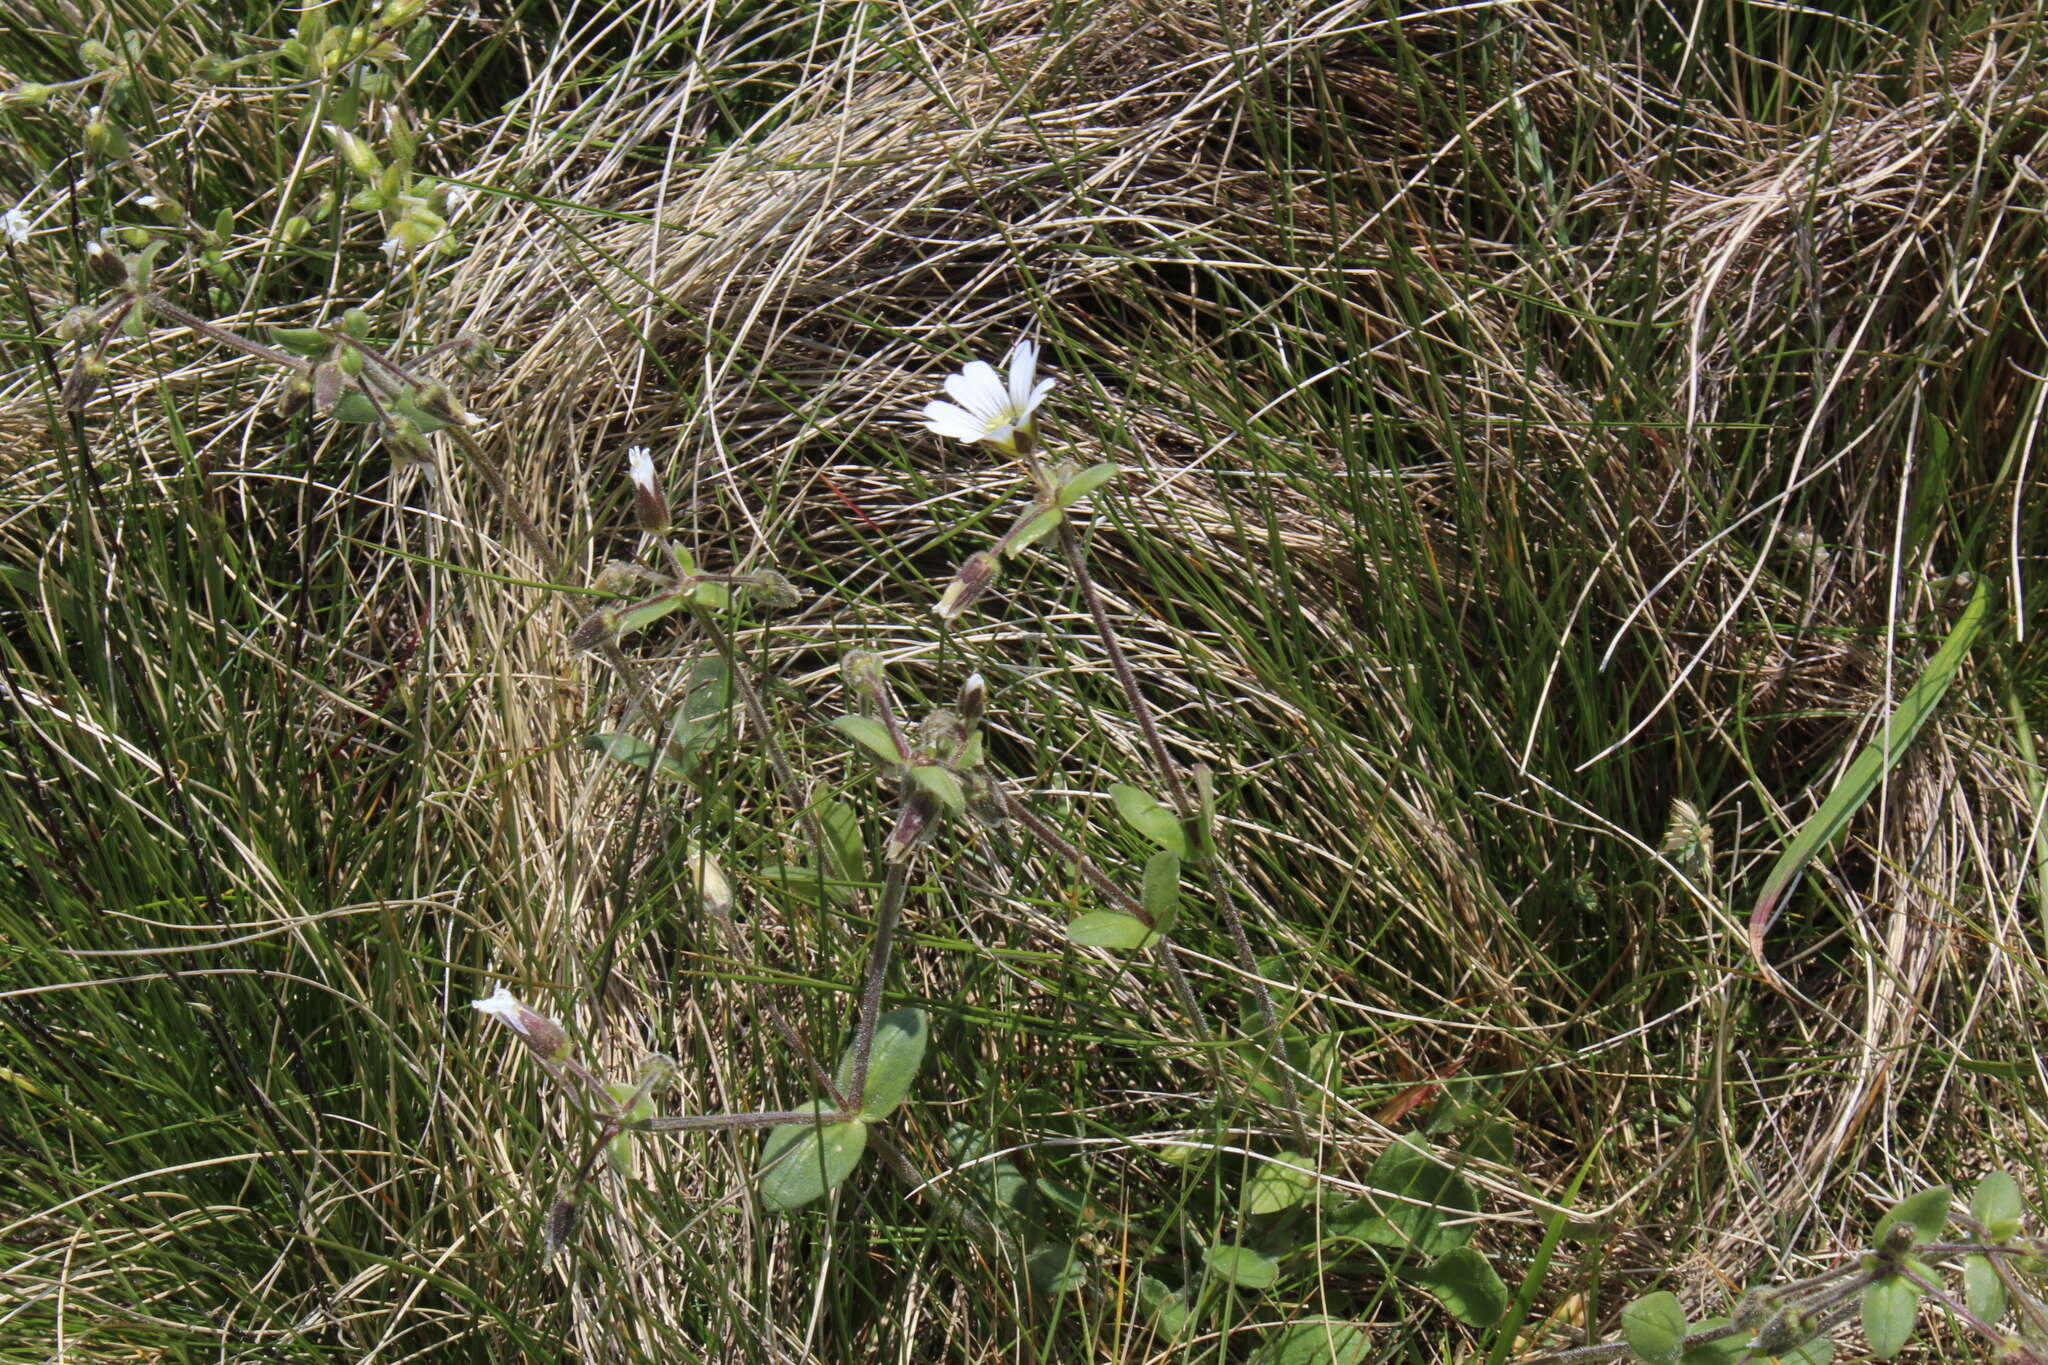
{"x":28,"y":94}
{"x":78,"y":323}
{"x":971,"y":582}
{"x":84,"y":379}
{"x":772,"y":591}
{"x":104,"y":140}
{"x":973,"y":701}
{"x":542,"y":1035}
{"x":914,"y":826}
{"x":354,"y":151}
{"x":649,"y":506}
{"x":106,"y":264}
{"x":595,"y":631}
{"x":863,"y":673}
{"x":399,"y":13}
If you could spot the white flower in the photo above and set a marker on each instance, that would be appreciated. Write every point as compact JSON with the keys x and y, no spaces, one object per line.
{"x":500,"y":1004}
{"x":14,"y":226}
{"x":640,"y":464}
{"x":457,"y":198}
{"x":984,"y":410}
{"x":148,"y":201}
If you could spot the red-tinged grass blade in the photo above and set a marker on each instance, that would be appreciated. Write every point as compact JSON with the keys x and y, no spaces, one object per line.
{"x":1868,"y":769}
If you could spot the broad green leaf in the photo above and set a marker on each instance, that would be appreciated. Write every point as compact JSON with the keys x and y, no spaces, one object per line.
{"x":1162,"y":889}
{"x":1143,"y":813}
{"x":621,"y":747}
{"x":1111,"y":929}
{"x":1868,"y":768}
{"x":871,"y":735}
{"x":649,"y":610}
{"x":1490,"y":1140}
{"x":805,"y":883}
{"x":940,"y":783}
{"x":1033,"y":527}
{"x":1057,"y":1269}
{"x":1279,"y":1184}
{"x":1413,"y":1196}
{"x":1996,"y":1203}
{"x":801,"y":1162}
{"x":619,"y":1150}
{"x":1654,"y":1326}
{"x":893,"y":1061}
{"x":1983,"y":1288}
{"x":711,"y":594}
{"x":844,"y":847}
{"x":1926,"y":1213}
{"x":355,"y":407}
{"x":1314,"y":1341}
{"x":1168,"y":1308}
{"x":1891,"y":1306}
{"x":1728,"y":1350}
{"x":1465,"y":1283}
{"x":1819,"y":1351}
{"x":1242,"y":1266}
{"x":1083,"y":483}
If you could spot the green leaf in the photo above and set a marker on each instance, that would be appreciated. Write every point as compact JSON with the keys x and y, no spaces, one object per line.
{"x":1868,"y":768}
{"x":1654,"y":1327}
{"x":1314,"y":1341}
{"x":355,"y":407}
{"x":1056,"y":1269}
{"x":898,"y":1051}
{"x":1143,"y":813}
{"x":1983,"y":1288}
{"x":1728,"y":1350}
{"x":1162,"y":889}
{"x":619,"y":1150}
{"x":1279,"y":1184}
{"x":301,"y":340}
{"x":871,"y":735}
{"x":1110,"y":929}
{"x":940,"y":783}
{"x":1465,"y":1283}
{"x":1412,"y":1197}
{"x":1926,"y":1213}
{"x":804,"y":1161}
{"x":621,"y":747}
{"x":1031,"y":528}
{"x":1168,"y":1308}
{"x":1891,"y":1306}
{"x":794,"y":879}
{"x":844,"y":847}
{"x":1996,"y":1203}
{"x":711,"y":594}
{"x":649,"y":610}
{"x":1084,"y":483}
{"x":1242,"y":1266}
{"x":1819,"y":1351}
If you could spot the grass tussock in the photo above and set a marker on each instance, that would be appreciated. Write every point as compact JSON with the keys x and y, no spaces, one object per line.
{"x":1553,"y":438}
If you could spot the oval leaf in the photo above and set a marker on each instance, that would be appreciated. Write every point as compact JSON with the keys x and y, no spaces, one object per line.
{"x":1926,"y":1213}
{"x":1143,"y":813}
{"x":1729,"y":1350}
{"x":893,"y":1061}
{"x":1412,"y":1196}
{"x":871,"y":735}
{"x":1168,"y":1308}
{"x":1315,"y":1341}
{"x":1465,"y":1283}
{"x":1890,"y":1308}
{"x":1162,"y":889}
{"x":1654,"y":1327}
{"x":1997,"y":1205}
{"x":1084,"y":483}
{"x":1280,"y":1184}
{"x":1983,"y":1288}
{"x":942,"y":784}
{"x":803,"y":1161}
{"x":1056,"y":1269}
{"x":1108,"y":929}
{"x":1242,"y":1266}
{"x":1034,"y":526}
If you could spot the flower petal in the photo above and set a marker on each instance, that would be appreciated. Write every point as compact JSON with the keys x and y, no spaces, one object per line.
{"x":1023,"y":366}
{"x":978,"y":389}
{"x":954,"y":422}
{"x":1036,"y":396}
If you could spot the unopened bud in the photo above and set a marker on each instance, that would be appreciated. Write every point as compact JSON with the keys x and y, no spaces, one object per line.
{"x":78,"y":323}
{"x":863,"y":673}
{"x":95,"y":53}
{"x":28,"y":94}
{"x":562,"y":1219}
{"x":86,"y":373}
{"x":354,"y":151}
{"x":547,"y":1039}
{"x":595,"y":631}
{"x":328,"y":384}
{"x":399,"y":13}
{"x":771,"y":591}
{"x":104,"y":140}
{"x":971,"y":582}
{"x":973,"y":701}
{"x":649,"y":506}
{"x":106,"y":264}
{"x":914,"y":826}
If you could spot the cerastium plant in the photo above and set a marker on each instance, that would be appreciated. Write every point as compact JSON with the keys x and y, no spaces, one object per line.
{"x":1986,"y":1281}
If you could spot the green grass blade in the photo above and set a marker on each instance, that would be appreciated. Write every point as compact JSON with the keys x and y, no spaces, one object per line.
{"x":1869,"y":768}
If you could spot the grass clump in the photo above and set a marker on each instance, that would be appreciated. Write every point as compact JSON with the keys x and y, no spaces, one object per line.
{"x":1552,"y":444}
